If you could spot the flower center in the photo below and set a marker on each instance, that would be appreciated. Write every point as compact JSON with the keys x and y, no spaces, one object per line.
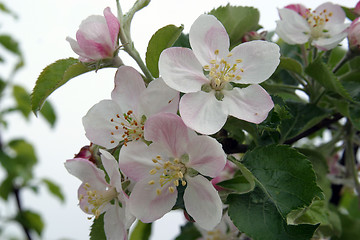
{"x":220,"y":72}
{"x":169,"y":171}
{"x":317,"y":23}
{"x":97,"y":200}
{"x":133,"y":129}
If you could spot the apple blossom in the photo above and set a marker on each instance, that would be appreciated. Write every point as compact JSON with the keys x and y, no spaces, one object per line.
{"x":324,"y":27}
{"x":97,"y":37}
{"x":206,"y":72}
{"x":175,"y":157}
{"x":122,"y":118}
{"x":354,"y":35}
{"x":97,"y":196}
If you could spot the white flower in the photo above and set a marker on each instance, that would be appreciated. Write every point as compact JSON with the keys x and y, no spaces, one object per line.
{"x":206,"y":72}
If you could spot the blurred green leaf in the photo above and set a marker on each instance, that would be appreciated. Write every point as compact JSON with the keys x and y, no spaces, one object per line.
{"x":31,"y":220}
{"x":164,"y":38}
{"x":142,"y":231}
{"x":349,"y":13}
{"x":6,"y":187}
{"x":54,"y":189}
{"x":5,"y":9}
{"x":237,"y":21}
{"x":54,"y":76}
{"x":188,"y":232}
{"x":10,"y":44}
{"x":22,"y":98}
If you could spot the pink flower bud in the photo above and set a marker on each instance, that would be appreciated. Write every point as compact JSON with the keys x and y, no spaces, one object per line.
{"x":299,"y":8}
{"x":97,"y":37}
{"x":354,"y":35}
{"x":357,"y":9}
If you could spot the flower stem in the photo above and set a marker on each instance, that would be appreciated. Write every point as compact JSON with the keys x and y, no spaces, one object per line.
{"x":125,"y":37}
{"x":16,"y":192}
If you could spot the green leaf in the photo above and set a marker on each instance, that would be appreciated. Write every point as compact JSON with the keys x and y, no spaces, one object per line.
{"x":97,"y":231}
{"x":182,"y":41}
{"x":256,"y":215}
{"x":164,"y":38}
{"x":188,"y":232}
{"x":238,"y":184}
{"x":351,"y":83}
{"x":10,"y":44}
{"x":303,"y":117}
{"x":142,"y":231}
{"x":237,"y":21}
{"x":354,"y":112}
{"x":54,"y":189}
{"x":323,"y":75}
{"x":5,"y":9}
{"x":6,"y":187}
{"x":31,"y":220}
{"x":47,"y":111}
{"x":291,"y":65}
{"x":54,"y":76}
{"x":335,"y":56}
{"x":22,"y":99}
{"x":285,"y":176}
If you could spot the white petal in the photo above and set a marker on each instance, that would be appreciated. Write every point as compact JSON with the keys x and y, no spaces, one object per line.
{"x":181,"y":70}
{"x":292,"y":27}
{"x":251,"y":104}
{"x":202,"y":202}
{"x":112,"y":168}
{"x":259,"y":60}
{"x":329,"y":43}
{"x":337,"y":13}
{"x":87,"y":172}
{"x":158,"y":97}
{"x":135,"y":160}
{"x":146,"y":204}
{"x":207,"y":34}
{"x":202,"y":112}
{"x":113,"y":223}
{"x":206,"y":156}
{"x":169,"y":131}
{"x":128,"y":87}
{"x":99,"y":127}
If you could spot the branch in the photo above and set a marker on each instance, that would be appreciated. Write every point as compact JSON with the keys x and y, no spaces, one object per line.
{"x":231,"y":146}
{"x":16,"y":192}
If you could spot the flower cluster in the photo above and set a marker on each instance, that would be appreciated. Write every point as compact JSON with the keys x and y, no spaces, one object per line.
{"x":153,"y":150}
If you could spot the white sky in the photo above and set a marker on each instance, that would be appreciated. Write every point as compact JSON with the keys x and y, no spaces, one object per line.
{"x":41,"y":29}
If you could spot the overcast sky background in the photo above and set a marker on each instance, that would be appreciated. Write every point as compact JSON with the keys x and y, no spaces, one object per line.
{"x":41,"y":29}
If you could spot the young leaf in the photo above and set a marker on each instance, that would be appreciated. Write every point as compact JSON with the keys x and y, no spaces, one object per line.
{"x":291,"y":65}
{"x":142,"y":231}
{"x":284,"y":175}
{"x":256,"y":215}
{"x":322,"y":74}
{"x":53,"y":77}
{"x":164,"y":38}
{"x":97,"y":231}
{"x":237,"y":21}
{"x":54,"y":189}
